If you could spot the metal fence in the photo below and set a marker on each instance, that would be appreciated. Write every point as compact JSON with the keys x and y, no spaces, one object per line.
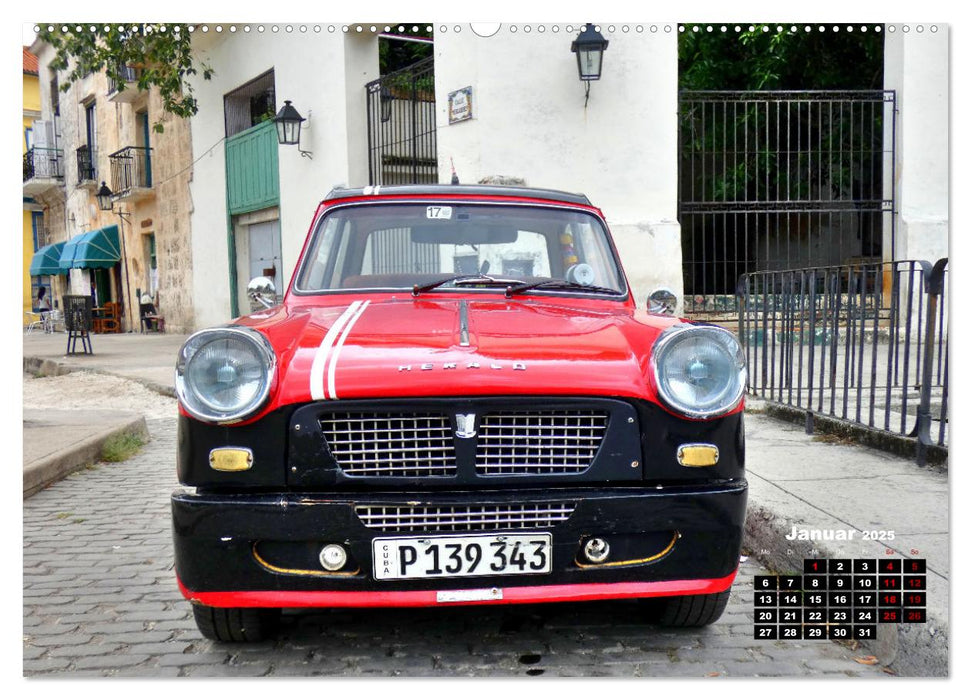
{"x":861,"y":343}
{"x":130,"y":167}
{"x":777,"y":180}
{"x":402,"y":147}
{"x":87,"y":161}
{"x":43,"y":163}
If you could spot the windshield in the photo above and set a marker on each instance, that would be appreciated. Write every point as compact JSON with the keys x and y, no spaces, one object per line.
{"x":401,"y":246}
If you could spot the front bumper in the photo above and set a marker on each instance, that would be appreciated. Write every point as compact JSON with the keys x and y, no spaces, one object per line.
{"x":259,"y":550}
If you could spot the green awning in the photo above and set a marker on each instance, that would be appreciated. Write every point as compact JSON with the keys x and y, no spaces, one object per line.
{"x":97,"y":248}
{"x":46,"y":261}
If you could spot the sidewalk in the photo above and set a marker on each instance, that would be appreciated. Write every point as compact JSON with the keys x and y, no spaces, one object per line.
{"x":796,"y":482}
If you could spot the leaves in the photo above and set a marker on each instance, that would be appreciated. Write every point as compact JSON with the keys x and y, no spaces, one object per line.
{"x":774,"y":60}
{"x":161,"y":55}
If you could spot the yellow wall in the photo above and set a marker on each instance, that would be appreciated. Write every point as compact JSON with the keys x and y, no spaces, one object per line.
{"x":31,"y":103}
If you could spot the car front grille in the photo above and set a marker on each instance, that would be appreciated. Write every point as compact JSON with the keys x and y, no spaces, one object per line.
{"x":539,"y":442}
{"x":464,"y":518}
{"x":390,"y":444}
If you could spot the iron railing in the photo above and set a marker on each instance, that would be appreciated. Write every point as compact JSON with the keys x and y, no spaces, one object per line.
{"x":130,"y":167}
{"x":87,"y":162}
{"x":128,"y":75}
{"x":47,"y":163}
{"x":864,"y":343}
{"x":402,"y":145}
{"x":778,"y":180}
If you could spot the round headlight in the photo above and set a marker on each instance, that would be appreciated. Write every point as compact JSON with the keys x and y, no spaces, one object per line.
{"x":224,"y":374}
{"x":699,"y":370}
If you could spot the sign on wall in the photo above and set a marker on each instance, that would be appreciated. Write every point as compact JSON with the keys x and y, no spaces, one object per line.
{"x":460,"y":105}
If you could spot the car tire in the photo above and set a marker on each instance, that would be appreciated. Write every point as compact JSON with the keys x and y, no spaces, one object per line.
{"x":236,"y":624}
{"x":691,"y":610}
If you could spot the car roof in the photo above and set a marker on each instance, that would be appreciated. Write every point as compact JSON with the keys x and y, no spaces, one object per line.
{"x":470,"y":190}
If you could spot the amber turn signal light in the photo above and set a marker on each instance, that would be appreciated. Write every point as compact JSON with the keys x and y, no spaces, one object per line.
{"x":697,"y":455}
{"x":231,"y":459}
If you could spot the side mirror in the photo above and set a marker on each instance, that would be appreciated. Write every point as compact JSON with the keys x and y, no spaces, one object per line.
{"x":262,"y":293}
{"x":662,"y":301}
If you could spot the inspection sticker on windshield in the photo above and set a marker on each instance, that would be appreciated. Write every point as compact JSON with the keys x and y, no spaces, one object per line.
{"x":438,"y":213}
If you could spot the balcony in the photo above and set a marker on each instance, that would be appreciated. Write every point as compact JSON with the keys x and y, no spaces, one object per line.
{"x":87,"y":168}
{"x":43,"y":170}
{"x":127,"y":90}
{"x":131,"y":173}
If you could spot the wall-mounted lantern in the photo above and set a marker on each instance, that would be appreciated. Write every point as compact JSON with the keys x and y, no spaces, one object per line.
{"x":288,"y":121}
{"x":386,"y":101}
{"x":589,"y":46}
{"x":104,"y":197}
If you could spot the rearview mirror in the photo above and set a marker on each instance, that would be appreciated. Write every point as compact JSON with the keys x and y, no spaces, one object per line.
{"x":261,"y":292}
{"x":463,"y":234}
{"x":662,"y":301}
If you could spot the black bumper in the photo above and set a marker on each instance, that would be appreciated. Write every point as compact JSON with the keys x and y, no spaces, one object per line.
{"x":270,"y":542}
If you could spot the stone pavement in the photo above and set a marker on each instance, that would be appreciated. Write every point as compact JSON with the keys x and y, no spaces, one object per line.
{"x":889,"y":506}
{"x":100,"y":599}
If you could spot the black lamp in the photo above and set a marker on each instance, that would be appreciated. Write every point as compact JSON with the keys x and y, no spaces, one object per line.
{"x":589,"y":46}
{"x":386,"y":99}
{"x":104,"y":197}
{"x":288,"y":122}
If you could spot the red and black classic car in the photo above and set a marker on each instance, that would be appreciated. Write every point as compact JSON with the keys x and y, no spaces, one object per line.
{"x":457,"y":402}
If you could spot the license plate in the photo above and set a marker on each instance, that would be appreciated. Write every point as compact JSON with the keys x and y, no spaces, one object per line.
{"x":462,"y":555}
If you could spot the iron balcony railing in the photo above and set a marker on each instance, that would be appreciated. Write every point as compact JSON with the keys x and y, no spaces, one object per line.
{"x":128,"y":75}
{"x":45,"y":163}
{"x":130,"y":167}
{"x":864,"y":343}
{"x":87,"y":161}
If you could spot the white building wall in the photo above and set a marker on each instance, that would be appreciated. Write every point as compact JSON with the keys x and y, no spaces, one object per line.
{"x":529,"y":121}
{"x":323,"y":74}
{"x":916,"y":65}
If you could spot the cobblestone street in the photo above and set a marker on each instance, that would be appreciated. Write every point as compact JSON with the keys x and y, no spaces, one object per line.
{"x":100,"y":599}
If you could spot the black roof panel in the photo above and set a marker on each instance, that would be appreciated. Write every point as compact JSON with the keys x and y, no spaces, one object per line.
{"x":471,"y":190}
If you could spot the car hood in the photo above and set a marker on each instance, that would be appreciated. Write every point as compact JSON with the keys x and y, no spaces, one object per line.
{"x":407,"y":347}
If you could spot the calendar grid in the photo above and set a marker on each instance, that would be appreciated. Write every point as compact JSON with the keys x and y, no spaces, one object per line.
{"x":840,"y":599}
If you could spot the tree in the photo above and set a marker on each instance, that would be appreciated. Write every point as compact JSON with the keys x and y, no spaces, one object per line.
{"x":161,"y":53}
{"x":395,"y":55}
{"x":764,"y":58}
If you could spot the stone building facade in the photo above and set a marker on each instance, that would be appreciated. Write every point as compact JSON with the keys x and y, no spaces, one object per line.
{"x":105,"y":134}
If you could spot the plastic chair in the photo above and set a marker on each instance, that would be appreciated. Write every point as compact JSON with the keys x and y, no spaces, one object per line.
{"x":34,"y":319}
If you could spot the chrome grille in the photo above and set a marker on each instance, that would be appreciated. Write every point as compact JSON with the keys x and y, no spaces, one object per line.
{"x":390,"y":444}
{"x":539,"y":442}
{"x":514,"y":516}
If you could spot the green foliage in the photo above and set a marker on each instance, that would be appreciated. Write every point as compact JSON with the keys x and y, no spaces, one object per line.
{"x":118,"y":448}
{"x":161,"y":53}
{"x":767,"y":59}
{"x":395,"y":55}
{"x":746,"y":150}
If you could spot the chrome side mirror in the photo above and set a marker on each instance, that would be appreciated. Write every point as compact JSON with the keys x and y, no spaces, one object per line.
{"x":662,"y":301}
{"x":261,"y":292}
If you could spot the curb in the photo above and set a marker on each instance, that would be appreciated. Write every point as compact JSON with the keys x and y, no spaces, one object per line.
{"x":43,"y":472}
{"x":908,"y":650}
{"x":40,"y":367}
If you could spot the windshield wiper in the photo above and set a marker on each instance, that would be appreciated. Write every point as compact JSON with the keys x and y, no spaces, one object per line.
{"x":557,"y":284}
{"x":456,"y":279}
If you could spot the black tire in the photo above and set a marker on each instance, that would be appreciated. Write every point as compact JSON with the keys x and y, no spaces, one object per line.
{"x":691,"y":610}
{"x":236,"y":624}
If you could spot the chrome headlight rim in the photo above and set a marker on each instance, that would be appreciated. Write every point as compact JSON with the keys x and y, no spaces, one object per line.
{"x":676,"y":332}
{"x":198,"y":340}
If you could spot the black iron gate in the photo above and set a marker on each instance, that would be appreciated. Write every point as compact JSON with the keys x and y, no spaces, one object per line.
{"x":774,"y":180}
{"x":401,"y":126}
